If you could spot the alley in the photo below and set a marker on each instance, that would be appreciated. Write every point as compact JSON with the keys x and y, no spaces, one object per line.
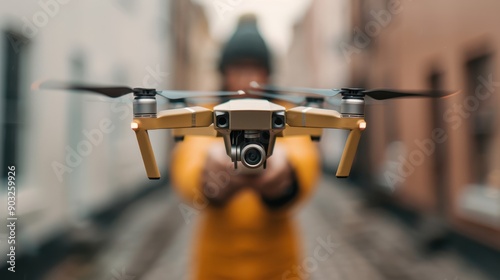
{"x":151,"y":240}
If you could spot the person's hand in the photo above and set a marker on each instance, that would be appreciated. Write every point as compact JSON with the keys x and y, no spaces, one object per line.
{"x":275,"y":180}
{"x":220,"y":181}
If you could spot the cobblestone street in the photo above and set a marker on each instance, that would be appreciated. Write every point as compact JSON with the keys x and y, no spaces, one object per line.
{"x":152,"y":241}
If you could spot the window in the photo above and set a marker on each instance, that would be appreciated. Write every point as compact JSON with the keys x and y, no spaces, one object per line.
{"x":435,"y":82}
{"x":481,"y":118}
{"x":10,"y":95}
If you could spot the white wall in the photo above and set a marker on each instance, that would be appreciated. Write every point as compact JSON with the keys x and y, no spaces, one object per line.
{"x":120,"y":42}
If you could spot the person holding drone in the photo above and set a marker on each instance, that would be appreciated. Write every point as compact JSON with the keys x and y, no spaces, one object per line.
{"x":245,"y":227}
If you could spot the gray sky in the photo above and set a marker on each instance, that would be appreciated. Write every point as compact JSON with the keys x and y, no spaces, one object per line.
{"x":276,"y":18}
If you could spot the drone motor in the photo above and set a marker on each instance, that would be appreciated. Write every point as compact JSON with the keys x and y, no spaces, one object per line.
{"x":353,"y":102}
{"x":144,"y":105}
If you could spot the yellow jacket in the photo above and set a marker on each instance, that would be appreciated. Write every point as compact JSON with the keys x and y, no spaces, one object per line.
{"x":243,"y":239}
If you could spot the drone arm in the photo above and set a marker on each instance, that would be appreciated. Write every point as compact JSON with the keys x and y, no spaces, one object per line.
{"x":175,"y":118}
{"x":347,"y":158}
{"x":148,"y":155}
{"x":178,"y":118}
{"x":323,"y":118}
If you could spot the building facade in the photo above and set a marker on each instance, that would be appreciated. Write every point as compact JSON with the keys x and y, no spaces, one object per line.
{"x":75,"y":154}
{"x":438,"y":157}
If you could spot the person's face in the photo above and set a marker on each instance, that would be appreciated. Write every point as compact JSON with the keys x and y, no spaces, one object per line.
{"x":238,"y":76}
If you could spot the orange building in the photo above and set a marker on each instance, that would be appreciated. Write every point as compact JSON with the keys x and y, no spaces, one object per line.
{"x":441,"y":158}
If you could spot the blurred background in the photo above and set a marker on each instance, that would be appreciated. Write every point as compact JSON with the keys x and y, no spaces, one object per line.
{"x":423,"y":199}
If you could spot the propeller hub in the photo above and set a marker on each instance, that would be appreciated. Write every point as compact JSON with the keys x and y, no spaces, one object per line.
{"x":352,"y":92}
{"x":144,"y":91}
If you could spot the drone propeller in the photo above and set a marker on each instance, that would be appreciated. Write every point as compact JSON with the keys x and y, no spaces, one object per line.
{"x":377,"y":94}
{"x":118,"y":91}
{"x":288,"y":98}
{"x":294,"y":90}
{"x":383,"y":94}
{"x":182,"y":94}
{"x":109,"y":91}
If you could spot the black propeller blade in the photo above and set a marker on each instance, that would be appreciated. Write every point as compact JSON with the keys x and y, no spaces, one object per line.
{"x":118,"y":91}
{"x":383,"y":94}
{"x":377,"y":94}
{"x":113,"y":92}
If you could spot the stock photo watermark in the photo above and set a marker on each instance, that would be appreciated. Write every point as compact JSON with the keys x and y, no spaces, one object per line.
{"x":324,"y":249}
{"x":11,"y":218}
{"x":222,"y":7}
{"x":220,"y":180}
{"x":92,"y":138}
{"x":31,"y":26}
{"x":154,"y":77}
{"x":363,"y":37}
{"x":121,"y":274}
{"x":455,"y":117}
{"x":75,"y":155}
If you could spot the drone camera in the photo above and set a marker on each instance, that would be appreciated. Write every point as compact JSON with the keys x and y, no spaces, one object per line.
{"x":278,"y":120}
{"x":253,"y":155}
{"x":222,"y":119}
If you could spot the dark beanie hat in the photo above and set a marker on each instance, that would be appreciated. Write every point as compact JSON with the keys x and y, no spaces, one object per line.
{"x":246,"y":43}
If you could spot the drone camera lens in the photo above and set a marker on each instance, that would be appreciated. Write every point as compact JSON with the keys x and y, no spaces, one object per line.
{"x":253,"y":155}
{"x":278,"y":120}
{"x":222,"y":119}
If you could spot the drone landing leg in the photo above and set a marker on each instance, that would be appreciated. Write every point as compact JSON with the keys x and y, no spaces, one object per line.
{"x":347,"y":158}
{"x":147,"y":154}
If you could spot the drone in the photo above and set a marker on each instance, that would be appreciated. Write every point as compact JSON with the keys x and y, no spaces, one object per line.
{"x":249,"y":126}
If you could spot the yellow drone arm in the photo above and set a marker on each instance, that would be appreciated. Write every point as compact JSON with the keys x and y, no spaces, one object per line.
{"x":175,"y":118}
{"x":351,"y":145}
{"x":148,"y":156}
{"x":322,"y":118}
